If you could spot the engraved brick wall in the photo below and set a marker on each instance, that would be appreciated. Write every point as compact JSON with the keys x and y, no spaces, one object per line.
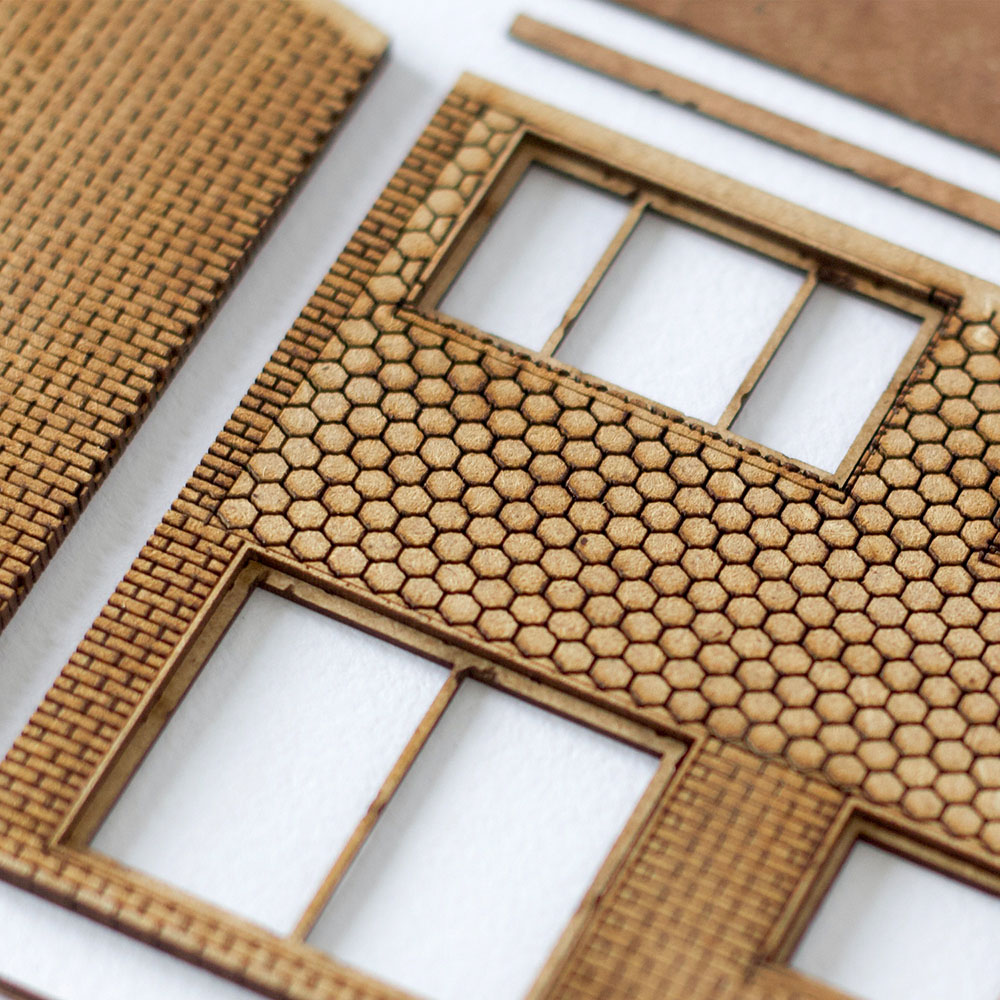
{"x":153,"y":607}
{"x":691,"y":909}
{"x":144,"y":149}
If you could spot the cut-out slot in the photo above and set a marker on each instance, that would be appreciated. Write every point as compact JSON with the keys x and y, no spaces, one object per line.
{"x":828,"y":374}
{"x":270,"y":761}
{"x":486,"y":850}
{"x":680,"y":316}
{"x":536,"y":255}
{"x":891,"y":929}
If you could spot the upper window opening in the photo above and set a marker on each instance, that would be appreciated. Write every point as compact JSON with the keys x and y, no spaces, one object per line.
{"x":732,"y":328}
{"x":535,"y":257}
{"x":680,"y":316}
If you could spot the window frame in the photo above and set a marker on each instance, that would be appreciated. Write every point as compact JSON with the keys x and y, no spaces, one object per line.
{"x":856,"y":822}
{"x":255,"y":569}
{"x":649,"y":192}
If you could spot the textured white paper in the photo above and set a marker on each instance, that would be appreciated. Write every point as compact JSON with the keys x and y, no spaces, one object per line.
{"x":534,"y":258}
{"x":681,"y":316}
{"x":62,"y":954}
{"x":890,"y":929}
{"x":273,"y":757}
{"x":824,"y":380}
{"x":486,"y":850}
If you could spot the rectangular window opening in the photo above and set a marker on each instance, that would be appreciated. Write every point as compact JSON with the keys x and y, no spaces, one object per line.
{"x":260,"y":777}
{"x":680,"y":316}
{"x":537,"y":253}
{"x":485,"y":852}
{"x":827,"y":376}
{"x":893,"y":929}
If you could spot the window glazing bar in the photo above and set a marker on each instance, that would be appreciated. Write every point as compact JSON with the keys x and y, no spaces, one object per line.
{"x":791,"y":314}
{"x":381,"y":800}
{"x":640,"y":204}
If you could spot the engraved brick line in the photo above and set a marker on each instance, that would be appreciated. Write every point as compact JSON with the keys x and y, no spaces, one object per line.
{"x":689,"y":912}
{"x":70,"y":487}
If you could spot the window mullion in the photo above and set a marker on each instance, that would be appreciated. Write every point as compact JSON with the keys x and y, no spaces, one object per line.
{"x":381,"y":800}
{"x":594,"y":278}
{"x":767,"y":352}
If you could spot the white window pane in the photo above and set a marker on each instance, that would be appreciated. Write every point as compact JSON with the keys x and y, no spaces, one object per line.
{"x":485,"y":852}
{"x":272,"y":758}
{"x":535,"y":257}
{"x":826,"y":377}
{"x":890,"y":929}
{"x":64,"y":955}
{"x":680,"y":317}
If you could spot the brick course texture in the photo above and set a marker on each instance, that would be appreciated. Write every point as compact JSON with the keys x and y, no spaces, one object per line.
{"x":145,"y":148}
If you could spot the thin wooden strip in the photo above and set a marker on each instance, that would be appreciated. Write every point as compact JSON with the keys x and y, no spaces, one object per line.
{"x":767,"y":351}
{"x":15,"y":992}
{"x":595,"y":276}
{"x":755,"y":120}
{"x":375,"y":810}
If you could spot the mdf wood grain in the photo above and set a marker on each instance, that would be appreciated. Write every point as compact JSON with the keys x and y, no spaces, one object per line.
{"x":145,"y":148}
{"x":933,"y":61}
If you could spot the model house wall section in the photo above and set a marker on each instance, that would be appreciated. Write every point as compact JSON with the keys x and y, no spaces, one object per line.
{"x":813,"y":646}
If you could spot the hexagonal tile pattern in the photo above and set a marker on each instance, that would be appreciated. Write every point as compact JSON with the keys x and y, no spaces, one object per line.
{"x":816,"y":641}
{"x":857,"y":635}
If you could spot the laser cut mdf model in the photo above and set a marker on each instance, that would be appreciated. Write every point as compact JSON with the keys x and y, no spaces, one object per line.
{"x":145,"y":148}
{"x":756,"y":120}
{"x":822,"y":649}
